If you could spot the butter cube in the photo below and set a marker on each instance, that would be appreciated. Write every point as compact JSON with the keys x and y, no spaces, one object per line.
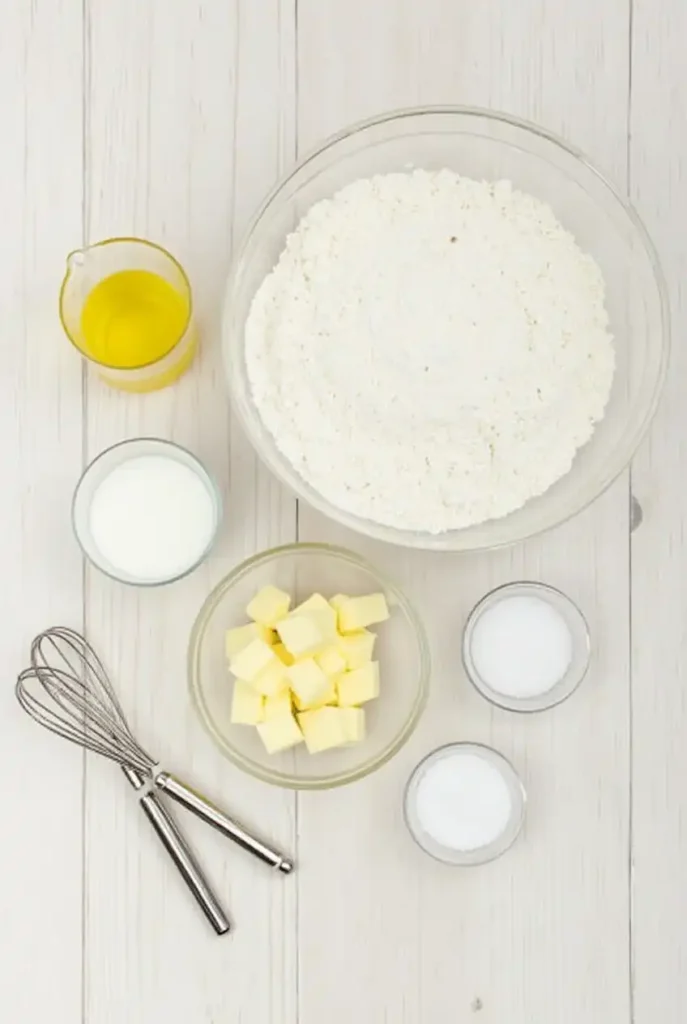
{"x":236,"y":639}
{"x":272,"y":680}
{"x":331,"y":661}
{"x":305,"y":633}
{"x":356,"y":648}
{"x":354,"y":724}
{"x":246,"y":704}
{"x":336,"y":602}
{"x":316,"y":602}
{"x":319,"y":604}
{"x":323,"y":729}
{"x":269,"y":606}
{"x":308,"y":682}
{"x":280,"y":733}
{"x":275,"y":707}
{"x":328,"y":696}
{"x":359,"y":686}
{"x":253,"y":660}
{"x":358,"y":612}
{"x":283,"y":654}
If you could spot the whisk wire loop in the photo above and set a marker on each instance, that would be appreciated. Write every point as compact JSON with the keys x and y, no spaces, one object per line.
{"x":76,"y":700}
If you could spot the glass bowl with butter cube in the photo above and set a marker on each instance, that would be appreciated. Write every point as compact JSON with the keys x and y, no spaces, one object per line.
{"x":307,"y":667}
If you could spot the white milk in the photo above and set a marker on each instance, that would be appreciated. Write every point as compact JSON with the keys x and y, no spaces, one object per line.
{"x":152,"y":518}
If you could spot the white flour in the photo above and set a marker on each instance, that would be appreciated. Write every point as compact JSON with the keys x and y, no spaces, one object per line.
{"x":430,"y":351}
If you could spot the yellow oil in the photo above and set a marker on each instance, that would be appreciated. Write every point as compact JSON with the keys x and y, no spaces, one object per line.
{"x":132,"y":320}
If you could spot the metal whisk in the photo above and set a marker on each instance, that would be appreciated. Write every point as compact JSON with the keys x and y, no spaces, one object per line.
{"x":67,"y":690}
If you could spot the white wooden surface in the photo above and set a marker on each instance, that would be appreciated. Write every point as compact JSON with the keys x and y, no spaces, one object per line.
{"x":171,"y":118}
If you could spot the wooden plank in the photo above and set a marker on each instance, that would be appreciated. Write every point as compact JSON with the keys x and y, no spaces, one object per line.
{"x":40,"y":451}
{"x":543,"y":934}
{"x":190,"y":120}
{"x":658,"y":157}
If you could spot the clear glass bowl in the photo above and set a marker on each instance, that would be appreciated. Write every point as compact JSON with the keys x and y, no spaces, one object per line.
{"x":401,"y":649}
{"x":100,"y":467}
{"x":581,"y":647}
{"x":480,"y":854}
{"x":483,"y":145}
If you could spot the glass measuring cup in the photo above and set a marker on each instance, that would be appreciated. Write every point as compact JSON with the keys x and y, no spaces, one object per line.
{"x":126,"y":305}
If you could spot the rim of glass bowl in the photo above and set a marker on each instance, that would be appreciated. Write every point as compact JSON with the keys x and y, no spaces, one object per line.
{"x":280,"y":778}
{"x":453,"y":540}
{"x":204,"y":474}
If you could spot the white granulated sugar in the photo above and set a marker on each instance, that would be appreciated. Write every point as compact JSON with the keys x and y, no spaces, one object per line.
{"x":463,"y":802}
{"x":430,"y":351}
{"x":521,"y":646}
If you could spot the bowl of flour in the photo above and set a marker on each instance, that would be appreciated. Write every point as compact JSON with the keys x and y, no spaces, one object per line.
{"x":446,"y":330}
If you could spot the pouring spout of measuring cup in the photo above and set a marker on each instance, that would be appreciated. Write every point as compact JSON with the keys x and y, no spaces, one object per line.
{"x":76,"y":260}
{"x":78,"y":280}
{"x":82,"y":273}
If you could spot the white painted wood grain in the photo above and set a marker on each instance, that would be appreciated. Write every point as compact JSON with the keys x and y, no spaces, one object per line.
{"x":659,"y":548}
{"x":542,"y":935}
{"x":40,"y":451}
{"x":190,"y":120}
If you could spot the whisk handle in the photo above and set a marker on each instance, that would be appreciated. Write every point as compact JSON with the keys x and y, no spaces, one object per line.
{"x":193,"y":801}
{"x":178,"y":849}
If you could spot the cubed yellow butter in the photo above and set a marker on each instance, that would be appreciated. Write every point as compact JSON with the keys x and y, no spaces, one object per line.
{"x":331,"y":660}
{"x":323,"y":729}
{"x":253,"y":660}
{"x":236,"y":639}
{"x":317,"y":603}
{"x":275,"y":707}
{"x":269,"y":606}
{"x":354,"y":724}
{"x":305,"y":633}
{"x":308,"y":682}
{"x":328,"y":696}
{"x":357,"y":648}
{"x":246,"y":705}
{"x":359,"y":686}
{"x":283,"y":654}
{"x":272,"y":680}
{"x":336,"y":602}
{"x":280,"y":733}
{"x":358,"y":612}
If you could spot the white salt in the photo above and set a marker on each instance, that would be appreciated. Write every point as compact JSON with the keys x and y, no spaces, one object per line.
{"x":521,"y":646}
{"x":463,"y":802}
{"x":152,"y":518}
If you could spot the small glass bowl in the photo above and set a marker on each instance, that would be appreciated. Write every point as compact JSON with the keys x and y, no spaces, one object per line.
{"x":101,"y":466}
{"x":483,"y":854}
{"x":401,"y":649}
{"x":581,"y":647}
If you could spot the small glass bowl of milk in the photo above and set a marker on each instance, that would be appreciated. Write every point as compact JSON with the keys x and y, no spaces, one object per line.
{"x":526,"y":646}
{"x":146,"y":512}
{"x":465,"y":804}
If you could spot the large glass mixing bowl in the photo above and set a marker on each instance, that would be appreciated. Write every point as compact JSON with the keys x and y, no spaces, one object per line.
{"x":483,"y":145}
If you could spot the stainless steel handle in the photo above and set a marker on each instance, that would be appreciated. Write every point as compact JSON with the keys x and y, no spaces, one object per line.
{"x":193,"y":801}
{"x":178,"y":849}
